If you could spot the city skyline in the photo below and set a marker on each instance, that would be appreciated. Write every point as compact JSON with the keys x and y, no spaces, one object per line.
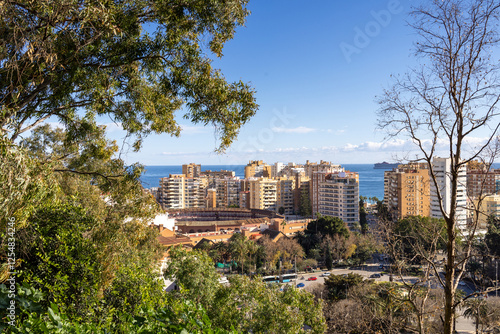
{"x":316,"y":76}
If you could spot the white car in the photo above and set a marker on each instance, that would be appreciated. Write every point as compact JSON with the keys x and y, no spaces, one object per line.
{"x":325,"y":274}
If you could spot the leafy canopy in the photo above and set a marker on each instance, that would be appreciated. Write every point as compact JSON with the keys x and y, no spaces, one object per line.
{"x":135,"y":61}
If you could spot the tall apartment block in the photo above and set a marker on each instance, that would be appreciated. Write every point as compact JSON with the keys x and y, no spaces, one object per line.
{"x":481,"y":182}
{"x":407,"y":190}
{"x":257,"y":169}
{"x":302,"y":184}
{"x":442,"y":170}
{"x":228,"y":191}
{"x":286,"y":189}
{"x":191,"y":170}
{"x":181,"y":192}
{"x":263,"y":193}
{"x":317,"y":174}
{"x":338,"y":196}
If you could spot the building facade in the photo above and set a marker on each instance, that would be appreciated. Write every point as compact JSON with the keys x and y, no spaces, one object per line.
{"x":481,"y":182}
{"x":228,"y":192}
{"x":191,"y":170}
{"x":181,"y":192}
{"x":285,"y":200}
{"x":407,"y":191}
{"x":489,"y":206}
{"x":338,"y":196}
{"x":257,"y":168}
{"x":263,"y":194}
{"x":442,"y":171}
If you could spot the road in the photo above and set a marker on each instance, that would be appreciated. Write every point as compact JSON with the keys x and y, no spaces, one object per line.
{"x":370,"y":269}
{"x":463,"y":325}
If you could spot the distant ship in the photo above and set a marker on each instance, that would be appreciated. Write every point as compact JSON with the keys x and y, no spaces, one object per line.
{"x":385,"y":165}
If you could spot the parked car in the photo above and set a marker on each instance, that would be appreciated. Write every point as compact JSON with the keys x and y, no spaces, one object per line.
{"x":301,"y":285}
{"x":375,"y":276}
{"x":313,"y":278}
{"x":325,"y":274}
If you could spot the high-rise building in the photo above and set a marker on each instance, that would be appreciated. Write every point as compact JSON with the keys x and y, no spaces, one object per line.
{"x":442,"y":171}
{"x":191,"y":170}
{"x":481,"y":182}
{"x":301,"y":196}
{"x":338,"y":196}
{"x":181,"y":192}
{"x":285,"y":188}
{"x":228,"y":192}
{"x":317,"y":174}
{"x":263,"y":193}
{"x":407,"y":190}
{"x":257,"y":168}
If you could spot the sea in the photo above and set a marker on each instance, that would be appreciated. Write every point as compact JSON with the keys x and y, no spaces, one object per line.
{"x":371,"y":181}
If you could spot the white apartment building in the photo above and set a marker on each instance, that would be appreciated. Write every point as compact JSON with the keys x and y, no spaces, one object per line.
{"x":338,"y":196}
{"x":442,"y":170}
{"x":181,"y":192}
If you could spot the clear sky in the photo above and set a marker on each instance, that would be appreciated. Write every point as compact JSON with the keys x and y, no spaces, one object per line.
{"x":316,"y":78}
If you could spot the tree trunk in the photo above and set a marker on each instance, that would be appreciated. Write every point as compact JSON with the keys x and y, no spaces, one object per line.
{"x":449,"y":289}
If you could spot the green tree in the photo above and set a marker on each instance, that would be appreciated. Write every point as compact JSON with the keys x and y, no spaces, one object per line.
{"x":177,"y":316}
{"x":328,"y":225}
{"x":362,"y":215}
{"x":492,"y":237}
{"x":243,"y":304}
{"x":338,"y":285}
{"x":61,"y":260}
{"x":305,"y":208}
{"x":238,"y":247}
{"x":195,"y":273}
{"x":365,"y":247}
{"x":135,"y":61}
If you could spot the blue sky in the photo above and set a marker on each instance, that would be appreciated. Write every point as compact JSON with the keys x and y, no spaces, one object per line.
{"x":316,"y":79}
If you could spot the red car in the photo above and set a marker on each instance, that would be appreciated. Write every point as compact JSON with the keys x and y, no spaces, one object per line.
{"x":313,"y":278}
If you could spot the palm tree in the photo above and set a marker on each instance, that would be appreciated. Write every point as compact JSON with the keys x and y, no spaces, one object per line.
{"x":219,"y":252}
{"x":477,"y":310}
{"x":238,"y":248}
{"x":252,"y":249}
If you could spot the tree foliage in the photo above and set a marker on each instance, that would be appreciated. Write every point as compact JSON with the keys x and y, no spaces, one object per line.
{"x":244,"y":304}
{"x":327,"y":225}
{"x":135,"y":61}
{"x":338,"y":285}
{"x":492,"y":237}
{"x":61,"y":261}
